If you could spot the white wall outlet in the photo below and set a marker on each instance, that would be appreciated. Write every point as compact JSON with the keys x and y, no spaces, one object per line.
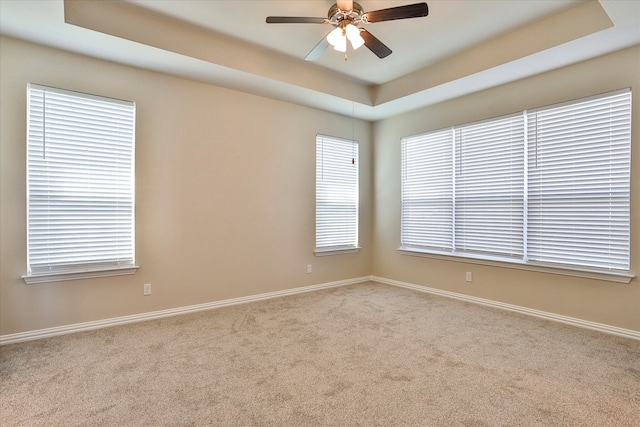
{"x":147,"y":289}
{"x":309,"y":269}
{"x":468,"y":277}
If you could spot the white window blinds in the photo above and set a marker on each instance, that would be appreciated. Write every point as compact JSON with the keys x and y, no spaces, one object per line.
{"x":579,"y":166}
{"x":80,"y":181}
{"x":489,"y":187}
{"x":548,"y":186}
{"x":336,"y":194}
{"x":427,"y":191}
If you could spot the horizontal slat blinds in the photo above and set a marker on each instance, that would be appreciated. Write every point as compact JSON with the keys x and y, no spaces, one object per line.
{"x":579,"y":166}
{"x":336,"y":193}
{"x":80,"y":181}
{"x":427,"y":191}
{"x":549,"y":186}
{"x":489,"y":187}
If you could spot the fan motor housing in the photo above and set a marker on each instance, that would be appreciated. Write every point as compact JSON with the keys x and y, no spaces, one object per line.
{"x":336,"y":15}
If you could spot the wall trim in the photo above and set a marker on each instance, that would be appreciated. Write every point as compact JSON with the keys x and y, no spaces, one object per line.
{"x":600,"y":327}
{"x":116,"y":321}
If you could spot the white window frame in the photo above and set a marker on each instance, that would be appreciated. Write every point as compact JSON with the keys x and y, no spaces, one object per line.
{"x":337,"y":195}
{"x":80,"y":185}
{"x":420,"y":181}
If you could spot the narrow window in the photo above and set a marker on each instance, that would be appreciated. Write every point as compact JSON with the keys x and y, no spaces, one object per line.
{"x":336,"y":195}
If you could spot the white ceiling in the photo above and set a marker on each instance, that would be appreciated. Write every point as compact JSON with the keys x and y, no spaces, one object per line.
{"x":452,"y":26}
{"x":461,"y":47}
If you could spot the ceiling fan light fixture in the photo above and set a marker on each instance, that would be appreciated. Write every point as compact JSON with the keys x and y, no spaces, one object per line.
{"x":338,"y":37}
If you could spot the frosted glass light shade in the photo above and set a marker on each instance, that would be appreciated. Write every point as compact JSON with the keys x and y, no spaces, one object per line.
{"x":353,"y":34}
{"x":334,"y":36}
{"x":341,"y":45}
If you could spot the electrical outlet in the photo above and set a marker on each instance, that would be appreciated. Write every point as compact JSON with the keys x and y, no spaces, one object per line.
{"x":309,"y":269}
{"x":147,"y":289}
{"x":469,"y":276}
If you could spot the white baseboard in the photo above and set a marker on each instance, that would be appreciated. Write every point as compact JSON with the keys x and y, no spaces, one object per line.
{"x":601,"y":327}
{"x":88,"y":326}
{"x":98,"y":324}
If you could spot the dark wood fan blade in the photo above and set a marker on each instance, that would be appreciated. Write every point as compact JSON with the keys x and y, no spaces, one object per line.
{"x":317,"y":50}
{"x":294,"y":20}
{"x":401,"y":12}
{"x":375,"y":45}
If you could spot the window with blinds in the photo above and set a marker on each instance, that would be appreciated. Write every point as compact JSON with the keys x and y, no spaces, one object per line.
{"x":579,"y":173}
{"x":489,"y":187}
{"x":80,"y":183}
{"x":427,"y":191}
{"x":336,"y":195}
{"x":549,"y":187}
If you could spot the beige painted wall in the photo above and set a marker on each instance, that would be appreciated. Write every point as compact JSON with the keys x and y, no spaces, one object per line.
{"x":598,"y":301}
{"x":225,"y":187}
{"x":225,"y":195}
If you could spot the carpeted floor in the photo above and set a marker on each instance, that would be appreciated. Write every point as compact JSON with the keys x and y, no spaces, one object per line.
{"x":366,"y":354}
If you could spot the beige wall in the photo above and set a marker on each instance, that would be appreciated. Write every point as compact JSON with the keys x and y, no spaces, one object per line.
{"x":598,"y":301}
{"x":224,"y":193}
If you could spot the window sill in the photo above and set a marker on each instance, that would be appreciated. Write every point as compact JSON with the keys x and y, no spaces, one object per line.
{"x":334,"y":251}
{"x":587,"y":274}
{"x":78,"y":274}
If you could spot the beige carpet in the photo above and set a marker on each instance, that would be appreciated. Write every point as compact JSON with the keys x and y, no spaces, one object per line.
{"x":366,"y":354}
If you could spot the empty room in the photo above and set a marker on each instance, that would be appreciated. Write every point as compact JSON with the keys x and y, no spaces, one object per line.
{"x":319,"y":212}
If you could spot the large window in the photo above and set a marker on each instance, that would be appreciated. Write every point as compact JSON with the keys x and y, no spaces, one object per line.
{"x":336,"y":195}
{"x":548,"y":187}
{"x":80,"y":185}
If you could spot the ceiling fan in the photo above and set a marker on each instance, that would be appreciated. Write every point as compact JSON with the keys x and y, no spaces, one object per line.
{"x":347,"y":16}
